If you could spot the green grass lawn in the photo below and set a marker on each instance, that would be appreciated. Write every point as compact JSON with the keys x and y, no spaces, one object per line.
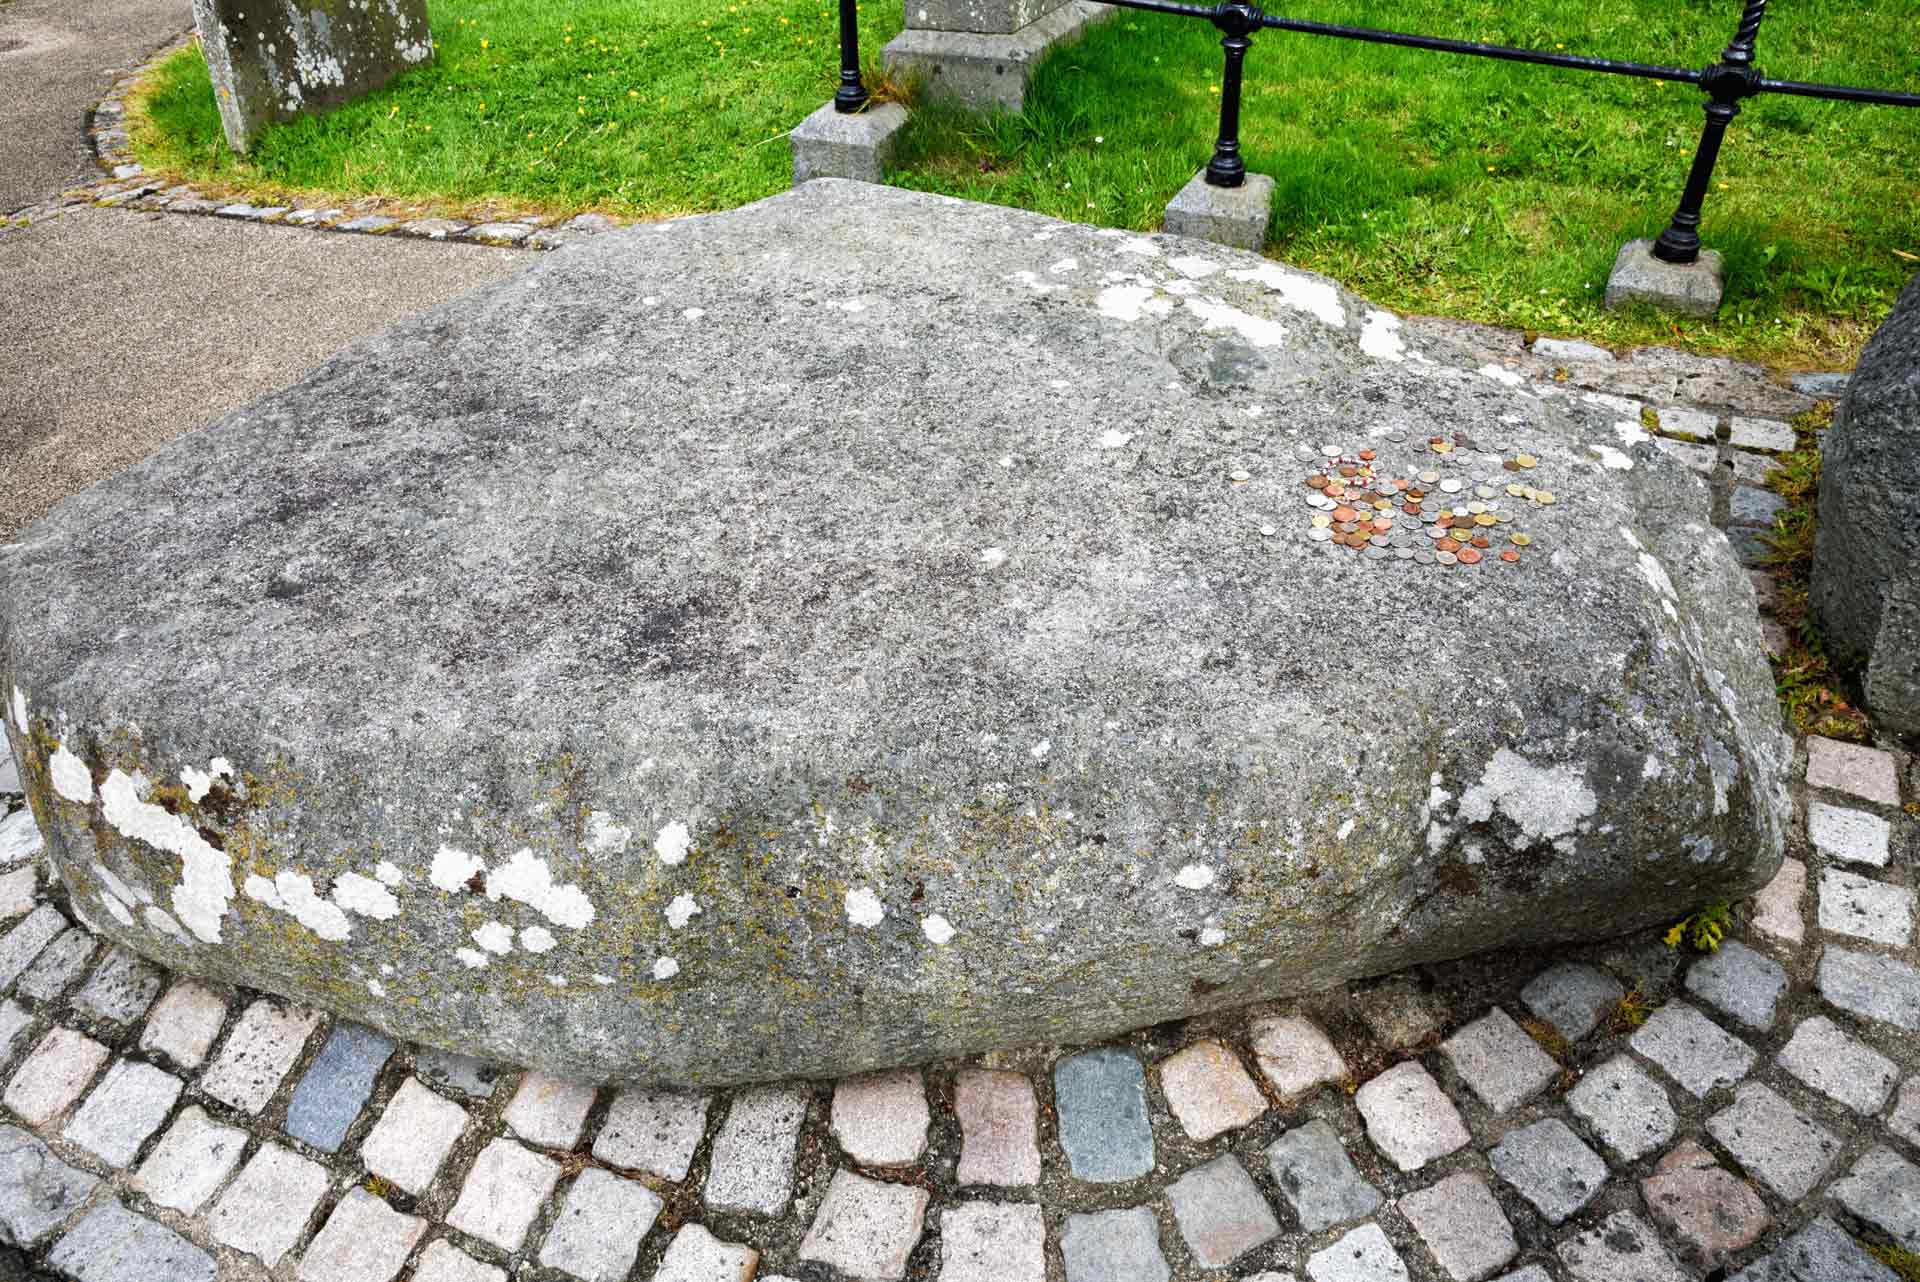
{"x":1431,"y":183}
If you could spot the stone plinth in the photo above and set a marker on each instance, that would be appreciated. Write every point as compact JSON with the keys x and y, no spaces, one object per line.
{"x":1686,"y":289}
{"x":990,"y":69}
{"x":272,"y":60}
{"x":860,"y":145}
{"x":1236,"y":216}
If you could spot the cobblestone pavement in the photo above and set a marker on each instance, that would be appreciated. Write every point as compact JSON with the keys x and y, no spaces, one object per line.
{"x":1616,"y":1112}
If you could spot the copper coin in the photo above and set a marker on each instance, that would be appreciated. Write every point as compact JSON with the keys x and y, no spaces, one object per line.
{"x":1411,"y":509}
{"x":1416,"y":495}
{"x":1367,"y":456}
{"x":1399,"y":484}
{"x":1469,"y":557}
{"x":1446,"y":545}
{"x":1382,"y":525}
{"x":1446,"y":521}
{"x":1509,"y":556}
{"x":1344,"y":514}
{"x":1317,"y":482}
{"x":1511,"y":466}
{"x":1346,"y":527}
{"x":1482,"y":541}
{"x":1349,"y":471}
{"x":1436,"y":440}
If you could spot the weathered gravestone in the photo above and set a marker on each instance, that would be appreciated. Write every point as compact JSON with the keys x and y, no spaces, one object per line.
{"x":1866,"y":568}
{"x":272,"y":60}
{"x":866,"y":627}
{"x":983,"y":53}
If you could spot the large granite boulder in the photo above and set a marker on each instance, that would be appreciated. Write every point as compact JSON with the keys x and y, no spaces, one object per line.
{"x":866,"y":627}
{"x":1866,"y":567}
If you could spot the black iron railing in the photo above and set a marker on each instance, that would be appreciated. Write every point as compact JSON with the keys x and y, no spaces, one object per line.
{"x":1727,"y":83}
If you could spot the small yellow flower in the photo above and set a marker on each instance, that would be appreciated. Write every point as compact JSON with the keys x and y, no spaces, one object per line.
{"x":633,"y":93}
{"x":486,"y":44}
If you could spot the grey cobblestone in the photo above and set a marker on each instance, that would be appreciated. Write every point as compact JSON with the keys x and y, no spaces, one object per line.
{"x":369,"y":223}
{"x":992,"y":1242}
{"x":444,"y":1262}
{"x":413,"y":1136}
{"x":264,"y":1212}
{"x":881,"y":1119}
{"x":1863,"y":772}
{"x":57,"y":966}
{"x":1818,"y":1253}
{"x":1573,"y":997}
{"x":1905,"y":1119}
{"x":597,"y":1235}
{"x":1775,"y":1142}
{"x":1623,"y":1248}
{"x":128,"y":1106}
{"x":37,"y":1190}
{"x":1317,"y":1178}
{"x":13,"y":1022}
{"x":1364,"y":1255}
{"x":1101,"y":1097}
{"x":1873,"y":987}
{"x":1769,"y":435}
{"x":474,"y":1078}
{"x":120,"y":989}
{"x":112,"y":1244}
{"x":1748,"y":505}
{"x":1739,"y":981}
{"x":1692,"y":1049}
{"x":1866,"y":909}
{"x":1295,"y":1056}
{"x":191,"y":1160}
{"x":1883,"y":1189}
{"x":19,"y":839}
{"x":503,"y":1193}
{"x":1220,"y":1212}
{"x":752,"y":1167}
{"x":866,"y":1228}
{"x":259,"y":1051}
{"x":999,"y":1128}
{"x":182,"y":1027}
{"x":1627,"y":1109}
{"x":549,"y":1111}
{"x":1709,"y":1210}
{"x":653,"y":1131}
{"x":53,"y":1075}
{"x":364,"y":1240}
{"x":17,"y":892}
{"x":1462,"y":1226}
{"x":1776,"y":909}
{"x":1852,"y":836}
{"x":695,"y":1255}
{"x":24,"y":942}
{"x":1548,"y":1165}
{"x":336,"y":1086}
{"x":1114,"y":1246}
{"x":1838,"y":1066}
{"x":1208,"y":1090}
{"x":1409,"y":1118}
{"x":1499,"y":1062}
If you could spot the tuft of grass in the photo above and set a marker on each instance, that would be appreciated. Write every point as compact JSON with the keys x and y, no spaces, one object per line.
{"x":1816,"y":696}
{"x":1703,"y":929}
{"x":1904,"y":1263}
{"x":1549,"y":1038}
{"x":1630,"y":1012}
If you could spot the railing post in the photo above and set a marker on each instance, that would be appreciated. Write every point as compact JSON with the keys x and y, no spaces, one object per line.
{"x":1733,"y":79}
{"x":1237,"y":21}
{"x":851,"y":96}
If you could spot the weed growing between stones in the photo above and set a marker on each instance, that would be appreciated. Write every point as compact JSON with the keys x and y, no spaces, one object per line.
{"x":1903,"y":1262}
{"x":1702,"y":931}
{"x":1814,"y":694}
{"x":1630,"y":1013}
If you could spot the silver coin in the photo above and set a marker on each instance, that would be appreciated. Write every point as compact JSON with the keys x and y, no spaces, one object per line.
{"x":1320,"y":535}
{"x":1377,"y":554}
{"x":1378,"y":540}
{"x":1475,"y":508}
{"x":1484,"y":492}
{"x":1423,"y":557}
{"x":1268,"y":531}
{"x":1332,"y":451}
{"x":1445,"y":558}
{"x":1405,"y":553}
{"x":1436,"y":533}
{"x":1461,"y":511}
{"x":1450,"y":486}
{"x":1428,"y":516}
{"x":1398,"y":438}
{"x":1304,"y":452}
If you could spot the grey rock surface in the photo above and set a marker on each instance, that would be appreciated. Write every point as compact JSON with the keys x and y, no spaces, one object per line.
{"x":274,"y":60}
{"x":840,"y":569}
{"x":981,"y":71}
{"x":1236,"y":216}
{"x":1686,"y":289}
{"x":859,"y":145}
{"x":1866,"y":562}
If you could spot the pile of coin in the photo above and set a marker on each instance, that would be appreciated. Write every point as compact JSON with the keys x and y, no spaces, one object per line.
{"x":1427,"y":516}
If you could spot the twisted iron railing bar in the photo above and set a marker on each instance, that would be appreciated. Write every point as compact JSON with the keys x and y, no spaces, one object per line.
{"x":1727,"y":83}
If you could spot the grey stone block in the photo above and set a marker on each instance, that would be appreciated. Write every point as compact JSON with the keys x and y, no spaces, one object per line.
{"x":1101,"y":1097}
{"x":1865,"y":908}
{"x":1767,"y":435}
{"x":985,"y":17}
{"x":1236,"y":216}
{"x":1693,"y":1049}
{"x":120,"y":988}
{"x":1498,"y":1061}
{"x":58,"y":965}
{"x":1827,"y":386}
{"x":1462,"y":1225}
{"x":1548,"y":1165}
{"x":1573,"y":997}
{"x":1884,"y":1190}
{"x":1627,"y":1109}
{"x":474,"y":1078}
{"x":1567,"y":350}
{"x":114,"y":1245}
{"x":336,"y":1086}
{"x":1220,"y":1212}
{"x":369,"y":223}
{"x":986,"y":71}
{"x":1114,"y":1246}
{"x":1409,"y":1118}
{"x":128,"y":1106}
{"x":273,"y":60}
{"x":1364,"y":1255}
{"x":37,"y":1190}
{"x":1853,"y":836}
{"x":1689,"y":425}
{"x":1318,"y":1179}
{"x":1868,"y":773}
{"x":9,"y":772}
{"x":597,"y":1234}
{"x":1874,"y":987}
{"x":1821,"y":1252}
{"x":860,"y":145}
{"x":1622,"y":1248}
{"x":1692,"y":289}
{"x":1778,"y":1145}
{"x":1750,"y":506}
{"x":1743,"y":983}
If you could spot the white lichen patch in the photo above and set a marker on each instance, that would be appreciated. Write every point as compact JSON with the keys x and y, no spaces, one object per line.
{"x":682,"y":910}
{"x":666,"y":968}
{"x":116,"y":910}
{"x":526,"y":878}
{"x":1033,"y":282}
{"x":71,"y":779}
{"x":558,"y":981}
{"x":121,"y":890}
{"x":206,"y":874}
{"x":1380,"y":337}
{"x":604,"y":836}
{"x":163,"y":921}
{"x":864,"y":907}
{"x":537,"y":939}
{"x":1194,"y":265}
{"x":1630,"y":434}
{"x":605,"y":981}
{"x":1064,"y":266}
{"x":366,"y":896}
{"x":471,"y":958}
{"x":1212,"y":937}
{"x":1194,"y":877}
{"x":453,"y":869}
{"x":672,"y":843}
{"x":1651,"y":767}
{"x":937,"y":929}
{"x":1257,"y":330}
{"x":292,"y":893}
{"x":495,"y":936}
{"x":1545,"y":801}
{"x":1113,"y":438}
{"x":1303,"y":293}
{"x":1040,"y":750}
{"x":1656,"y":575}
{"x":1611,"y":458}
{"x":1501,"y":375}
{"x":388,"y":873}
{"x":993,"y":558}
{"x":1139,"y":246}
{"x":377,"y":988}
{"x":19,"y":710}
{"x":1131,"y":302}
{"x":1345,"y":830}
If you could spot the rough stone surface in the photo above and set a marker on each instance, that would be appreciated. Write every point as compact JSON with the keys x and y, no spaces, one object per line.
{"x":1498,"y":1061}
{"x":1627,"y":1109}
{"x":985,"y":71}
{"x":336,"y":1086}
{"x":19,"y":838}
{"x":653,"y":1131}
{"x":1854,"y":768}
{"x":1295,"y":1056}
{"x":190,"y":1161}
{"x":444,"y":1262}
{"x":1079,"y":586}
{"x":1694,"y":1051}
{"x":1101,"y":1097}
{"x":548,"y":1110}
{"x":1364,"y":1255}
{"x":1689,"y":425}
{"x":1821,"y":1252}
{"x":1220,"y":1212}
{"x":991,"y":17}
{"x":1875,"y":987}
{"x":1621,"y":1248}
{"x":866,"y":1228}
{"x":129,"y":1105}
{"x":1114,"y":1246}
{"x":112,"y":1244}
{"x":58,"y":965}
{"x":264,"y":1211}
{"x":364,"y":1240}
{"x":182,"y":1027}
{"x":474,"y":1078}
{"x":999,"y":1128}
{"x":1209,"y":1090}
{"x":1690,"y":289}
{"x":1905,"y":1120}
{"x":695,"y":1255}
{"x":1776,"y":909}
{"x":993,"y":1242}
{"x":1573,"y":997}
{"x":1548,"y":1165}
{"x":274,"y":61}
{"x":1573,"y":350}
{"x":881,"y":1119}
{"x":24,"y":942}
{"x":1864,"y":908}
{"x":1710,"y":1211}
{"x":53,"y":1075}
{"x":1745,"y":984}
{"x":596,"y":1236}
{"x":1236,"y":216}
{"x":412,"y":1137}
{"x":1311,"y":1167}
{"x":1883,"y":1189}
{"x":37,"y":1190}
{"x":503,"y":1193}
{"x":1462,"y":1225}
{"x":1766,"y":434}
{"x":1853,"y":836}
{"x":861,"y":145}
{"x":1775,"y":1142}
{"x":259,"y":1051}
{"x":1839,"y":1066}
{"x":752,"y":1169}
{"x":13,"y":1022}
{"x":1754,"y":507}
{"x":1865,"y":593}
{"x":120,"y":988}
{"x":1409,"y":1118}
